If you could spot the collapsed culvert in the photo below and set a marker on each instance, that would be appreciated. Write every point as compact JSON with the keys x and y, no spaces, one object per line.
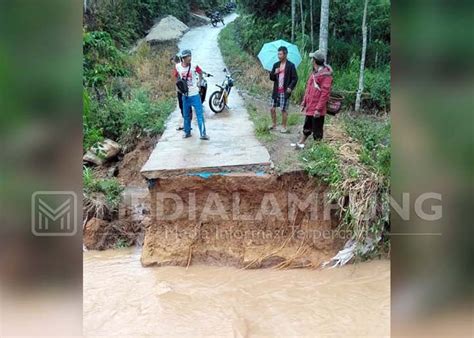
{"x":246,"y":220}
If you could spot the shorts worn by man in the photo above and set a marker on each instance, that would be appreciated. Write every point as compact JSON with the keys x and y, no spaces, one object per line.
{"x":186,"y":71}
{"x":284,"y":79}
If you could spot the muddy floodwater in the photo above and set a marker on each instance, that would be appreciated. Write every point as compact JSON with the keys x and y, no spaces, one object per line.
{"x":123,"y":298}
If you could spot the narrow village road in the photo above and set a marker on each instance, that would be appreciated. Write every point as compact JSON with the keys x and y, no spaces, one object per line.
{"x":232,"y":146}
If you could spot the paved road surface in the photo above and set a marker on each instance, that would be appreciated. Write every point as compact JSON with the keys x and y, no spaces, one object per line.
{"x":233,"y":145}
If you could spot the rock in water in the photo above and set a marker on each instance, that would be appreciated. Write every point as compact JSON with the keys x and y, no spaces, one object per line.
{"x":101,"y":152}
{"x":94,"y":232}
{"x":168,"y":28}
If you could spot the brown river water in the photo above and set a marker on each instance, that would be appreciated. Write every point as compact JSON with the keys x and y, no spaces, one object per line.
{"x":121,"y":298}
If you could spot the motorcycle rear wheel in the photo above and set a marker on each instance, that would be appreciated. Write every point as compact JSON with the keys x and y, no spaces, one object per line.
{"x":215,"y":103}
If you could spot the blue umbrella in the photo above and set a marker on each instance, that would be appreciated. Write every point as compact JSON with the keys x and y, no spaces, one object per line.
{"x":269,"y":53}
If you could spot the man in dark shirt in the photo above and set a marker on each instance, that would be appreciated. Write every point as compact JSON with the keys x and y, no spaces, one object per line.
{"x":284,"y":79}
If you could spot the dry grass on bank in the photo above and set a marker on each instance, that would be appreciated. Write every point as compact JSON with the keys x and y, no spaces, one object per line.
{"x":152,"y":69}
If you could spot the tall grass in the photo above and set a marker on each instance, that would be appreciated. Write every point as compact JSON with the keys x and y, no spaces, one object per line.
{"x":374,"y":136}
{"x":261,"y":123}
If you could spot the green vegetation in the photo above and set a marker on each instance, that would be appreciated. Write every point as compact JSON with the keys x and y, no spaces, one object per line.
{"x":358,"y":174}
{"x":126,"y":96}
{"x":263,"y":21}
{"x":321,"y":160}
{"x":261,"y":124}
{"x":294,"y":119}
{"x":254,"y":79}
{"x":116,"y":104}
{"x":101,"y":196}
{"x":127,"y":120}
{"x":374,"y":136}
{"x":355,"y":161}
{"x":121,"y":243}
{"x":127,"y":20}
{"x":252,"y":76}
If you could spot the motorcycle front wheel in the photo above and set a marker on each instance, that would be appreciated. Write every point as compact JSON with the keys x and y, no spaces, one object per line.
{"x":214,"y":23}
{"x":215,"y":103}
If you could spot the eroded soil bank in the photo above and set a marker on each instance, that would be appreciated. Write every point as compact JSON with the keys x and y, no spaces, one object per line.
{"x":248,"y":220}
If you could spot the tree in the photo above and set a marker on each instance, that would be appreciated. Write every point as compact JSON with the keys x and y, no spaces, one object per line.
{"x":324,"y":27}
{"x":293,"y":13}
{"x":362,"y":58}
{"x":311,"y":23}
{"x":302,"y":23}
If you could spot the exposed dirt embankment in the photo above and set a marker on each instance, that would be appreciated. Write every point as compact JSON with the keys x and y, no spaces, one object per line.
{"x":244,"y":220}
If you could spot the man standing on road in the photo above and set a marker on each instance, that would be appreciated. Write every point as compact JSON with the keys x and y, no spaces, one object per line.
{"x":284,"y":79}
{"x":176,"y":60}
{"x":189,"y":73}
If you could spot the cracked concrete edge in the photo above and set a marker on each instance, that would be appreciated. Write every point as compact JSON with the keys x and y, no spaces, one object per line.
{"x":265,"y":167}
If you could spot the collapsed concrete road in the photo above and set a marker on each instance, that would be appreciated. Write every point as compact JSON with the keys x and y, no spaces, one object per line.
{"x":196,"y":186}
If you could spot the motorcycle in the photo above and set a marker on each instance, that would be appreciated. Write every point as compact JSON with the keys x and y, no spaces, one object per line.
{"x":218,"y":99}
{"x":216,"y":17}
{"x":228,"y":8}
{"x":203,"y":86}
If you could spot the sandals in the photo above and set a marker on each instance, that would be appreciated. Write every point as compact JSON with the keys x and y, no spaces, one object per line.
{"x":297,"y":145}
{"x":282,"y":130}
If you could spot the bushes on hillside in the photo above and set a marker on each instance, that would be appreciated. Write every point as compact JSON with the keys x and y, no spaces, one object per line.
{"x":117,"y":104}
{"x":374,"y":136}
{"x":207,"y":4}
{"x":124,"y":120}
{"x":102,"y":59}
{"x":128,"y":20}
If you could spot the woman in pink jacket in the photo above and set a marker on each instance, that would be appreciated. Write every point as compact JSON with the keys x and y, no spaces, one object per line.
{"x":318,"y":89}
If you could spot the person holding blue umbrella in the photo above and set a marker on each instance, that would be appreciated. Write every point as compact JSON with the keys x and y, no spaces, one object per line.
{"x":284,"y":77}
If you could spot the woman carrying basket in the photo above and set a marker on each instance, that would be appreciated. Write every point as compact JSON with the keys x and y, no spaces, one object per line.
{"x":318,"y":90}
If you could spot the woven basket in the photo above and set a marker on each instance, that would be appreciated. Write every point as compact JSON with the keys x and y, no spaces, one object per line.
{"x":334,"y":104}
